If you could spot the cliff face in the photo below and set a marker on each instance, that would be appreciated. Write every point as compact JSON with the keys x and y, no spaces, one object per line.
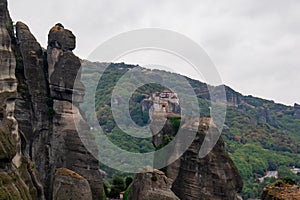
{"x":37,"y":87}
{"x":46,"y":86}
{"x":18,"y":181}
{"x":31,"y":103}
{"x":296,"y":111}
{"x":69,"y":151}
{"x":264,"y":115}
{"x":212,"y":177}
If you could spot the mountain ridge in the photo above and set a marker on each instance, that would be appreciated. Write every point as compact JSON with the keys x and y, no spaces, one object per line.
{"x":252,"y":124}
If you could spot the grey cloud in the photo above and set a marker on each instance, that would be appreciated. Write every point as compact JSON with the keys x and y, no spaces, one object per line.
{"x":255,"y":44}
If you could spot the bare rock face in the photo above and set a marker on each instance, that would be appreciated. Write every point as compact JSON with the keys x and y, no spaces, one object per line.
{"x":265,"y":116}
{"x":296,"y":111}
{"x":32,"y":109}
{"x":61,"y":38}
{"x":152,"y":186}
{"x":47,"y":112}
{"x":69,"y":126}
{"x":68,"y":147}
{"x":212,"y":177}
{"x":63,"y":66}
{"x":70,"y":185}
{"x":12,"y":185}
{"x":281,"y":191}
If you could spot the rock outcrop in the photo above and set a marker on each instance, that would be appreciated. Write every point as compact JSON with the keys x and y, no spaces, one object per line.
{"x":46,"y":107}
{"x":152,"y":186}
{"x":212,"y":177}
{"x":264,"y":115}
{"x":17,"y":180}
{"x":296,"y":110}
{"x":31,"y":103}
{"x":281,"y":191}
{"x":67,"y":91}
{"x":42,"y":152}
{"x":70,"y":185}
{"x":63,"y":66}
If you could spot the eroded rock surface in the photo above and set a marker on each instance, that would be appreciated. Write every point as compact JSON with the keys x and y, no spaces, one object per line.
{"x":12,"y":172}
{"x":63,"y":66}
{"x":70,"y":185}
{"x":32,"y":109}
{"x":46,"y":110}
{"x":264,"y":115}
{"x":212,"y":177}
{"x":152,"y":186}
{"x":296,"y":111}
{"x":282,"y":191}
{"x":69,"y":126}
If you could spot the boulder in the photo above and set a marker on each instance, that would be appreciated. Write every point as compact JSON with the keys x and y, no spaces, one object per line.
{"x":281,"y":190}
{"x":70,"y":185}
{"x":151,"y":185}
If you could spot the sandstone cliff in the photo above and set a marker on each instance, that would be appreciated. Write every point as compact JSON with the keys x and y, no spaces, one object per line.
{"x":18,"y":179}
{"x":37,"y":88}
{"x":46,"y":88}
{"x":212,"y":177}
{"x":67,"y":91}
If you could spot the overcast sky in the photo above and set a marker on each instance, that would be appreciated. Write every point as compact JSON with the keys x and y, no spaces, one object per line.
{"x":255,"y":44}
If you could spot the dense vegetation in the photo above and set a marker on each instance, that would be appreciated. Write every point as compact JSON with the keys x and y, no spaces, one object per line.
{"x":260,"y":135}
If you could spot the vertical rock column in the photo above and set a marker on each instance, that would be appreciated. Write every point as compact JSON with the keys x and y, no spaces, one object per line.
{"x":67,"y":92}
{"x":32,"y":110}
{"x":212,"y":177}
{"x":11,"y":184}
{"x":8,"y":83}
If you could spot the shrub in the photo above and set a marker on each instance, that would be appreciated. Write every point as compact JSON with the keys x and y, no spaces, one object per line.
{"x":154,"y":177}
{"x":279,"y":183}
{"x":289,"y":181}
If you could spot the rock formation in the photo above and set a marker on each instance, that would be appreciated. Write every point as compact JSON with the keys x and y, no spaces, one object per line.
{"x":43,"y":137}
{"x":31,"y":103}
{"x":281,"y":190}
{"x":41,"y":151}
{"x":63,"y":66}
{"x":70,"y":185}
{"x":296,"y":110}
{"x":264,"y":115}
{"x":69,"y":151}
{"x":212,"y":177}
{"x":18,"y":179}
{"x":151,"y":186}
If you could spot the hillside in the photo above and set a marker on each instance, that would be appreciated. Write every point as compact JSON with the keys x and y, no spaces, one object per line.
{"x":260,"y":135}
